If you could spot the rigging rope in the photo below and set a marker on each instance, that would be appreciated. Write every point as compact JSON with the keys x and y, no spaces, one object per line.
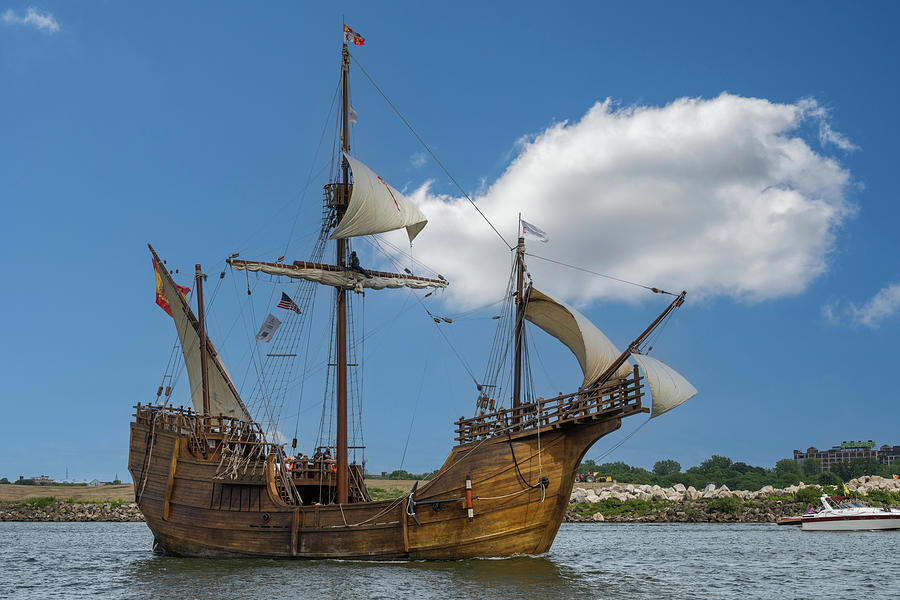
{"x":424,"y":145}
{"x":622,"y":441}
{"x":640,"y":285}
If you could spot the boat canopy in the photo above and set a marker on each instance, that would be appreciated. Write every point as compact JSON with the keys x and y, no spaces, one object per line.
{"x":339,"y":277}
{"x":223,"y":397}
{"x":376,"y":207}
{"x":668,"y":388}
{"x":594,"y":351}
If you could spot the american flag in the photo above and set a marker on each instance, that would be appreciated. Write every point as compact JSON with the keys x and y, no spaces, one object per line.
{"x":289,"y":304}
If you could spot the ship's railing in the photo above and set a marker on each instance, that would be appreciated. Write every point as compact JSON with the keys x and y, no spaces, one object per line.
{"x":205,"y":432}
{"x":616,"y":399}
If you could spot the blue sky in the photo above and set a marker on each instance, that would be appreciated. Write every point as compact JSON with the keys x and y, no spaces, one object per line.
{"x":745,"y":154}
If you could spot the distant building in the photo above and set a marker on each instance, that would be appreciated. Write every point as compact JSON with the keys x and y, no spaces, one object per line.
{"x":42,"y":480}
{"x":848,"y":451}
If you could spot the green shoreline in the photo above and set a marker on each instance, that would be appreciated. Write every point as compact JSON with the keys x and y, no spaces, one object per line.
{"x":615,"y":503}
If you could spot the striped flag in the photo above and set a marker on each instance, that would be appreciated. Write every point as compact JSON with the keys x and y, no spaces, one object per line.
{"x":161,"y":298}
{"x":288,"y":304}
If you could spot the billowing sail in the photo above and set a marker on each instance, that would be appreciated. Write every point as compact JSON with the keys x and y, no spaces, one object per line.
{"x":376,"y":207}
{"x":223,"y":397}
{"x":667,"y":387}
{"x":338,"y":277}
{"x":594,"y":351}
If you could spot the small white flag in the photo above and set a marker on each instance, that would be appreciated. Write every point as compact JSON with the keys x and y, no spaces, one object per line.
{"x":268,"y":328}
{"x":535,"y":233}
{"x":351,"y":114}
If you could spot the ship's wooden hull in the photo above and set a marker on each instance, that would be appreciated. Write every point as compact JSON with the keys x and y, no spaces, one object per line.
{"x":192,"y":513}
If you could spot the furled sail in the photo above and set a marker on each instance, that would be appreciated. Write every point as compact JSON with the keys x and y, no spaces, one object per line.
{"x":223,"y":397}
{"x":339,"y":277}
{"x":594,"y":351}
{"x":376,"y":207}
{"x":667,"y":387}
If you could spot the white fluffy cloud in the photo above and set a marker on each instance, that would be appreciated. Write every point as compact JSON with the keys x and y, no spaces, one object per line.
{"x":34,"y":18}
{"x":883,"y":305}
{"x":720,"y":197}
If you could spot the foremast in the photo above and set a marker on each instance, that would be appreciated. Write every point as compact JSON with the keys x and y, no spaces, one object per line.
{"x":520,"y":326}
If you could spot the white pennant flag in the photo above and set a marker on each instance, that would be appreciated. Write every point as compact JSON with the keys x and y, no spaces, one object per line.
{"x":268,"y":328}
{"x":534,"y":233}
{"x":351,"y":114}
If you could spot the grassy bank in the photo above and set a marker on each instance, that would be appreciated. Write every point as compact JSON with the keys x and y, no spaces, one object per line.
{"x":387,"y":488}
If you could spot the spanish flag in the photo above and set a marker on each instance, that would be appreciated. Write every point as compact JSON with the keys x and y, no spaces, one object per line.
{"x":161,"y":299}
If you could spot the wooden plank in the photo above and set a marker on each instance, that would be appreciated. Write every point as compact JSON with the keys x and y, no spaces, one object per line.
{"x":404,"y":523}
{"x":172,"y":466}
{"x":295,"y":531}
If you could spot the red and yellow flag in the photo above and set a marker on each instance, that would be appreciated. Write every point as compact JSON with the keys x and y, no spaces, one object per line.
{"x":351,"y":37}
{"x":161,"y":299}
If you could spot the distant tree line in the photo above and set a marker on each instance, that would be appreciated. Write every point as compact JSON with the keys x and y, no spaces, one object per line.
{"x":22,"y":481}
{"x":741,"y":476}
{"x":401,"y":474}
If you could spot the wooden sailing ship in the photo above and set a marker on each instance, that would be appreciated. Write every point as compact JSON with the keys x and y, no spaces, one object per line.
{"x":211,"y":481}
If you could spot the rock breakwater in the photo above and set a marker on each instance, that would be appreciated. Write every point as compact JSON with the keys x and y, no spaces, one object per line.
{"x":680,"y":504}
{"x":48,"y":510}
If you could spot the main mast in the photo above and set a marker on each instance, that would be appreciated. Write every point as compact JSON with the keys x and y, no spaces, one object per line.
{"x":341,"y":296}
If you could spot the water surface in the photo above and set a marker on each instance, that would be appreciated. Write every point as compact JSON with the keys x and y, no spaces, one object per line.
{"x":588,"y":560}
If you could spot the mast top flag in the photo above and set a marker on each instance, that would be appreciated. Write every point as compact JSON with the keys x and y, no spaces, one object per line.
{"x":533,"y":232}
{"x":352,"y":37}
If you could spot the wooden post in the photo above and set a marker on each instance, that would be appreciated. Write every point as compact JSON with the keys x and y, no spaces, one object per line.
{"x":203,"y":343}
{"x":341,"y":308}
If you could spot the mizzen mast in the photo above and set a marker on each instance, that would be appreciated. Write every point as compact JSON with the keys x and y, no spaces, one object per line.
{"x":204,"y":340}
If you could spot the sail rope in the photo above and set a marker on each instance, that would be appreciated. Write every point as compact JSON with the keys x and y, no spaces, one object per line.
{"x":309,"y":176}
{"x":462,"y":361}
{"x":412,"y":419}
{"x":427,"y":149}
{"x":620,"y":442}
{"x":266,"y":225}
{"x":640,"y":285}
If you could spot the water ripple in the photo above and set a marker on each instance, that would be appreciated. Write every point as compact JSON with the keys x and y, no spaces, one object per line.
{"x":587,"y":561}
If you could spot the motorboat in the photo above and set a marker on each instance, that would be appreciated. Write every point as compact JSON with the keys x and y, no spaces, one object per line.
{"x":850,"y":515}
